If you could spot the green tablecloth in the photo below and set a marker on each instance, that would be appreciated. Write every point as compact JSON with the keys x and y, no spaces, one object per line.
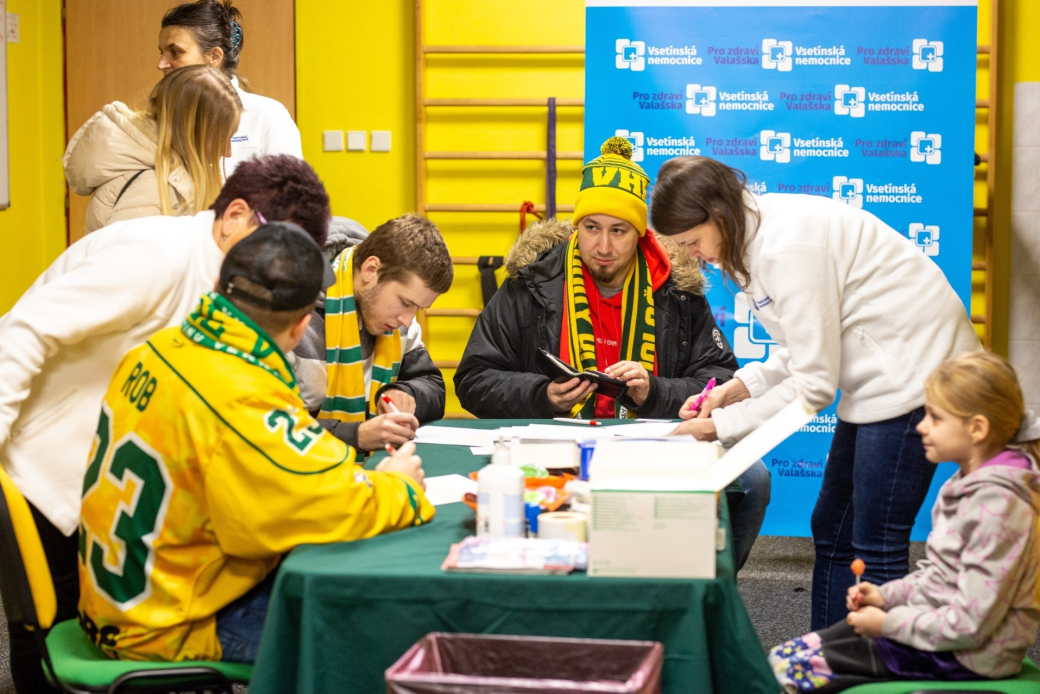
{"x":341,"y":614}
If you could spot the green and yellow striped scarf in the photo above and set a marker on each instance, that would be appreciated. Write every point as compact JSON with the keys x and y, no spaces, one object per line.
{"x":346,"y":399}
{"x":219,"y":325}
{"x":637,"y":322}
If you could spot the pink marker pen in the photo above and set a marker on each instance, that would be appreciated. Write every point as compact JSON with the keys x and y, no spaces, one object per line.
{"x":704,"y":394}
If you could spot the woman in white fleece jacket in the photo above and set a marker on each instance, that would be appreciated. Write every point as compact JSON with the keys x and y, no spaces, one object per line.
{"x":853,"y":305}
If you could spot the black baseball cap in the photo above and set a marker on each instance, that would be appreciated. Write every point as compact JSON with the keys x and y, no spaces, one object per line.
{"x":278,"y":267}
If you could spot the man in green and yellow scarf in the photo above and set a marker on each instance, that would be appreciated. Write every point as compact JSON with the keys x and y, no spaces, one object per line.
{"x":363,"y":342}
{"x":604,"y":293}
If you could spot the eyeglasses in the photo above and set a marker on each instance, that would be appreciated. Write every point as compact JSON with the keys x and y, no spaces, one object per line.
{"x":260,"y":217}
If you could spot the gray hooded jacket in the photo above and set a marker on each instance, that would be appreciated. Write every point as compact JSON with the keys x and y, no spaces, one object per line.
{"x":975,"y":593}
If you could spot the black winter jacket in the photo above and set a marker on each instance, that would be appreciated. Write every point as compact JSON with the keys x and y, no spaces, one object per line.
{"x":498,"y":376}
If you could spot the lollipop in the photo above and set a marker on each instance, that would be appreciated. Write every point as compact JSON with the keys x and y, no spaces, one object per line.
{"x":858,"y":567}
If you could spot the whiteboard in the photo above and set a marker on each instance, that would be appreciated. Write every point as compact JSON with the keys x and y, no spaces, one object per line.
{"x":5,"y":182}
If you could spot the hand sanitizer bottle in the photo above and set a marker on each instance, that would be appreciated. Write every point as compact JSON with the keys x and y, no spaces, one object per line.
{"x":500,"y":497}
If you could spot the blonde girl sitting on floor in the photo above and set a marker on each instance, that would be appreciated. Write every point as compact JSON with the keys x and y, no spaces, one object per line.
{"x":971,"y":609}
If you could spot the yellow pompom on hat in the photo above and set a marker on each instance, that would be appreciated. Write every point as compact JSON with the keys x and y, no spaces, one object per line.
{"x":612,"y":184}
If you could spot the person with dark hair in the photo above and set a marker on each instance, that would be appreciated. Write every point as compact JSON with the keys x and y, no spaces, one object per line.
{"x":853,"y":304}
{"x":603,"y":293}
{"x":62,"y":340}
{"x":364,"y":343}
{"x":282,"y":187}
{"x":232,"y":470}
{"x":209,"y":32}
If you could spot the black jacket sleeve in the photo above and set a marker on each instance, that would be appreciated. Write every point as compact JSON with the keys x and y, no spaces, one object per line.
{"x":421,"y":379}
{"x":706,"y":354}
{"x":491,"y":381}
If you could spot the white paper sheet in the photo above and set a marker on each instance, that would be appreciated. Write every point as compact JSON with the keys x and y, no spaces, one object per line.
{"x":759,"y":442}
{"x":455,"y":436}
{"x":554,"y":432}
{"x":643,"y":430}
{"x":448,"y":489}
{"x":482,"y":441}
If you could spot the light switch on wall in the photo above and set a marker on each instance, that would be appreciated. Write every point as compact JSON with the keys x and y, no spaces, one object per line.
{"x":380,"y":140}
{"x":332,"y":140}
{"x":356,"y":140}
{"x":12,"y":27}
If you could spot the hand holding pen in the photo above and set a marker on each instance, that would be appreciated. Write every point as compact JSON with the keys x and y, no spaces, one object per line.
{"x":691,"y":408}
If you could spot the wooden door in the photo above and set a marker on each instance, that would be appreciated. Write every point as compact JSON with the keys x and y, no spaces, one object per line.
{"x":112,"y":49}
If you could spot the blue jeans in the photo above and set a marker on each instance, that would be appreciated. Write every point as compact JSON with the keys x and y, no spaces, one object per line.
{"x":746,"y":511}
{"x":874,"y":483}
{"x":240,"y":624}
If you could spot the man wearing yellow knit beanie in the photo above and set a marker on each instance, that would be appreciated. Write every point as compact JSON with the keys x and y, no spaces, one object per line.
{"x":602,"y":293}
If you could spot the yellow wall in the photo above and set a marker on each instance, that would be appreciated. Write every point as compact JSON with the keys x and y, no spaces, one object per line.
{"x":354,"y":72}
{"x":32,"y":230}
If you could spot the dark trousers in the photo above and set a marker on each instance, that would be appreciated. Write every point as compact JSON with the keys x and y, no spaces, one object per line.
{"x":851,"y":656}
{"x":873,"y":486}
{"x":26,"y":669}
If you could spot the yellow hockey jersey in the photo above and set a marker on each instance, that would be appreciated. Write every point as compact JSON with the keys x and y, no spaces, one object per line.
{"x":206,"y":469}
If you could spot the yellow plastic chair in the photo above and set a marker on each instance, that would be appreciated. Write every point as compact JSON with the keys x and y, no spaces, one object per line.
{"x":72,"y":662}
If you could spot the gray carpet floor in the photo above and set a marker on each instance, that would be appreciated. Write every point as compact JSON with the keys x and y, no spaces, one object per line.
{"x":775,"y":585}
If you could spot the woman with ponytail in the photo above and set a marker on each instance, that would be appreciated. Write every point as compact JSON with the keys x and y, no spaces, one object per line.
{"x":161,"y":161}
{"x":209,"y":32}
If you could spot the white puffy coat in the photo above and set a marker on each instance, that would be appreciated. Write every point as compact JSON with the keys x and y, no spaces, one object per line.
{"x":103,"y":156}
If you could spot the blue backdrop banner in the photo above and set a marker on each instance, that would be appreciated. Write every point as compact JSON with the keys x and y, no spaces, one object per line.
{"x":868,"y":103}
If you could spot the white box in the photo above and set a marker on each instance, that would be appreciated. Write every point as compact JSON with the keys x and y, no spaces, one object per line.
{"x":654,"y":502}
{"x":561,"y":455}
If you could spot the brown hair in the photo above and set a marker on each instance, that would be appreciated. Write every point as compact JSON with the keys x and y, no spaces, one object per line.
{"x":982,"y":383}
{"x":693,"y":190}
{"x":282,"y":188}
{"x":195,"y":110}
{"x":405,"y":246}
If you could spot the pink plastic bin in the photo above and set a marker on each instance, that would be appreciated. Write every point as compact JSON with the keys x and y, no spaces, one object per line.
{"x":482,"y":664}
